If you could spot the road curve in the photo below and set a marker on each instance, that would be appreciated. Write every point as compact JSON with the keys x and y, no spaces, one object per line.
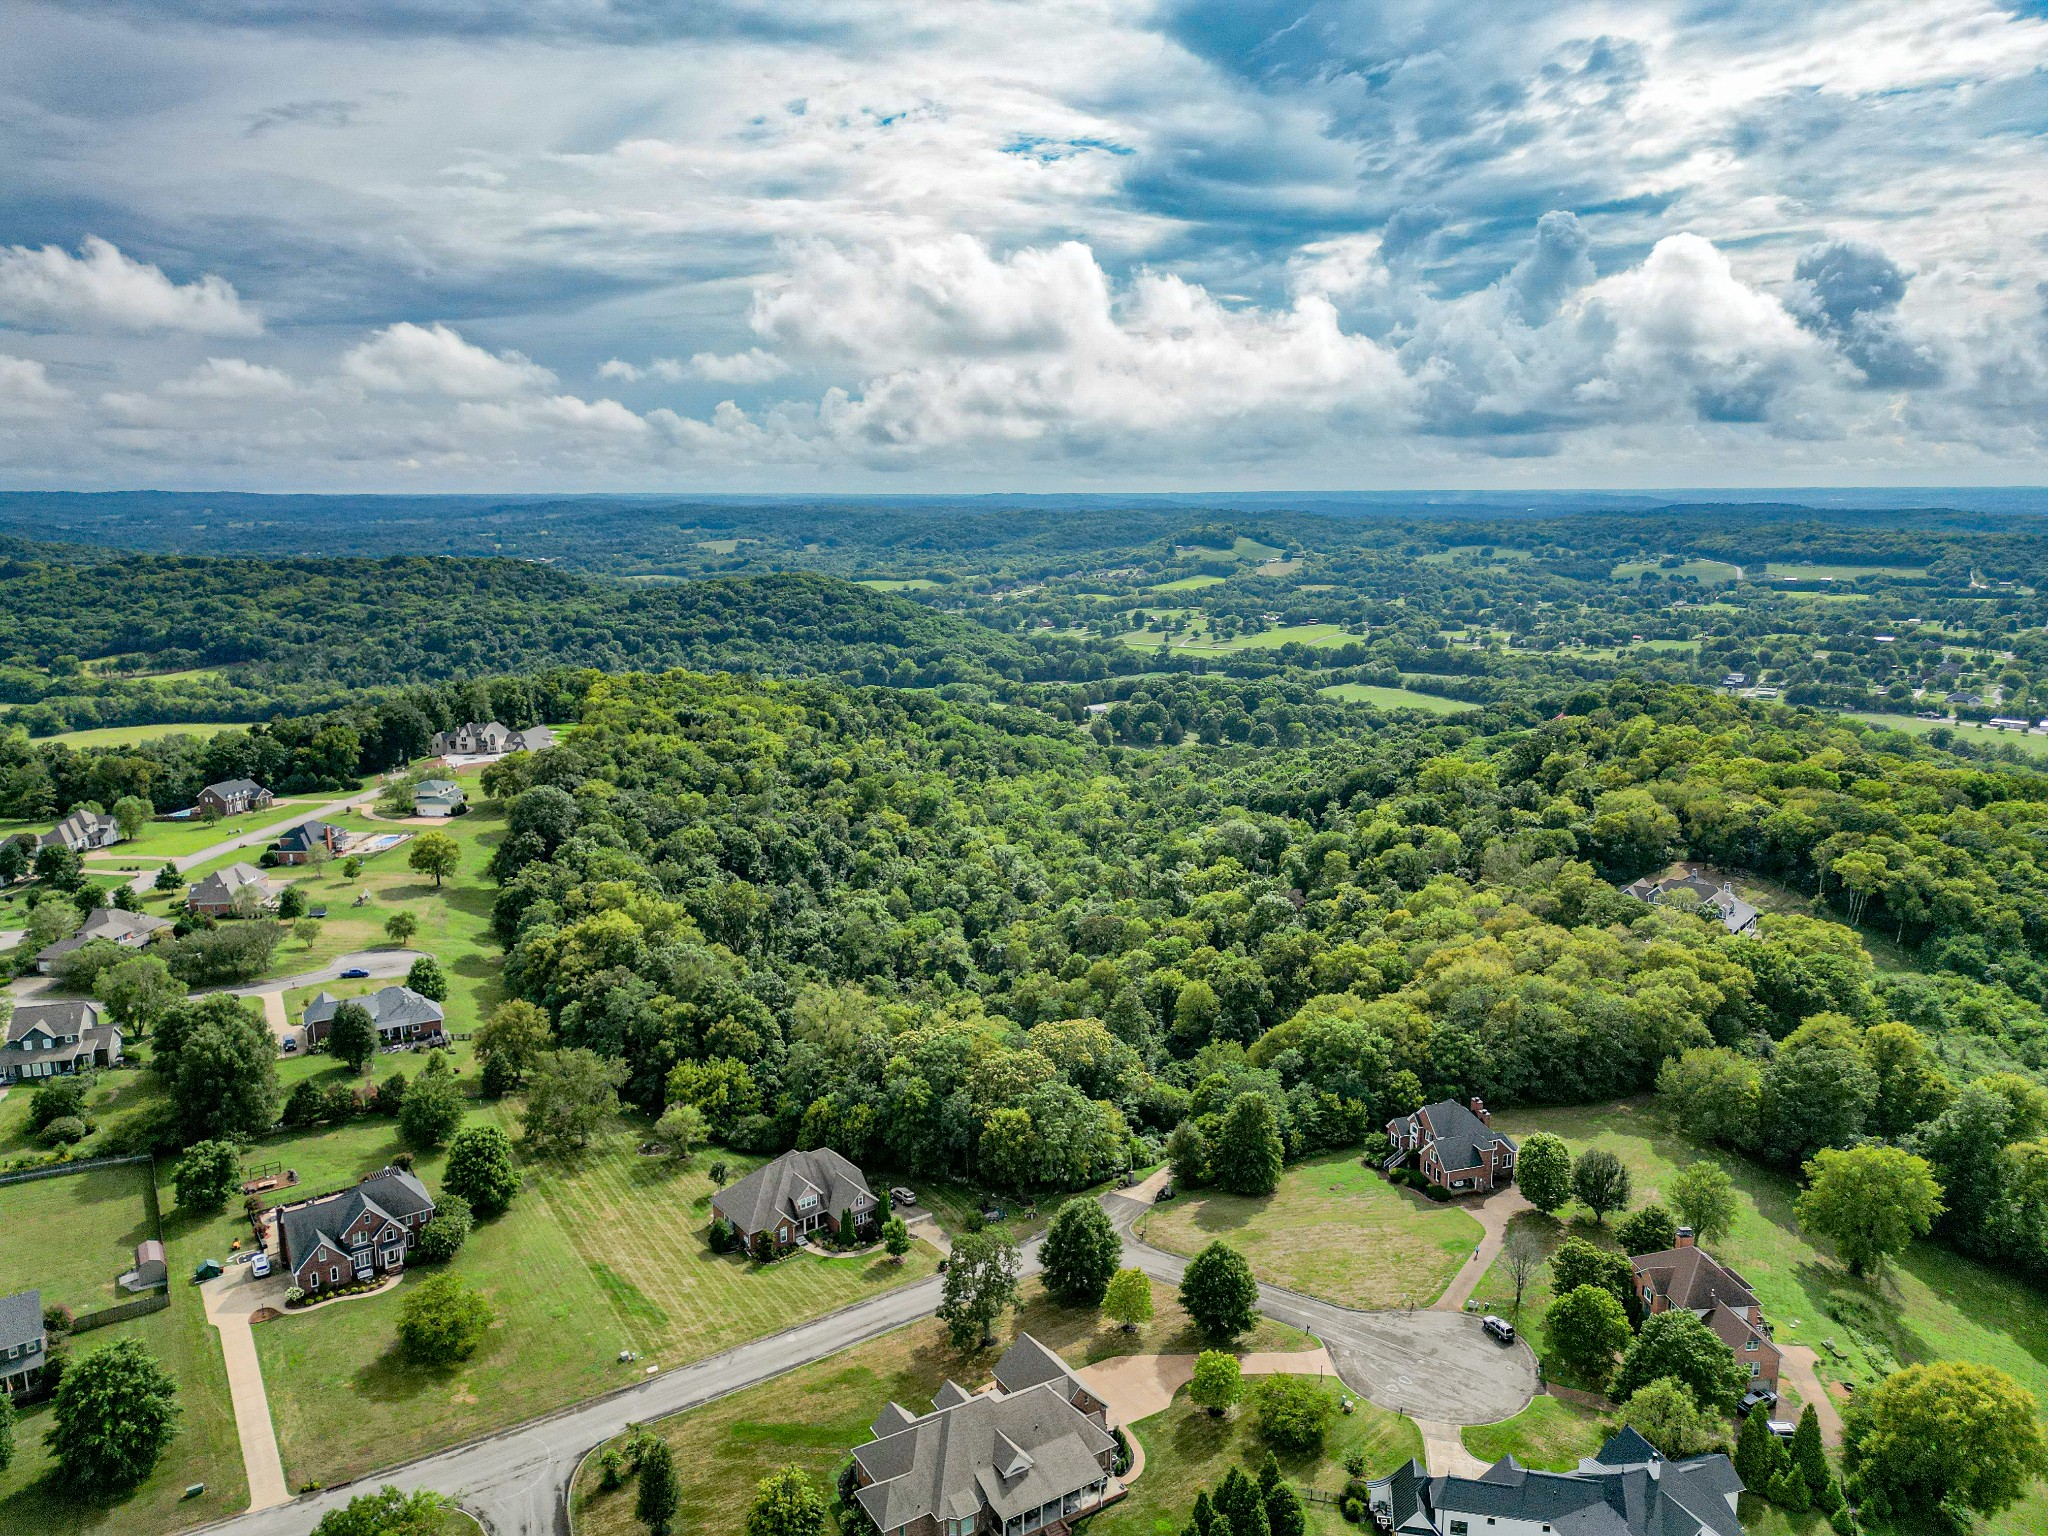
{"x":1434,"y":1365}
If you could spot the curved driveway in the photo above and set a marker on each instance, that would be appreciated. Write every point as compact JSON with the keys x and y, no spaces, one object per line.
{"x":1435,"y":1366}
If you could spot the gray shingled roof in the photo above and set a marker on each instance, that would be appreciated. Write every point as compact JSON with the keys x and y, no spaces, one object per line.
{"x":73,"y":1016}
{"x":1028,"y":1363}
{"x":390,"y":1007}
{"x":1626,"y":1490}
{"x":228,"y":789}
{"x":21,"y":1319}
{"x":221,"y":887}
{"x":300,"y":839}
{"x":1460,"y":1135}
{"x":392,"y":1191}
{"x":771,"y":1190}
{"x":947,"y":1464}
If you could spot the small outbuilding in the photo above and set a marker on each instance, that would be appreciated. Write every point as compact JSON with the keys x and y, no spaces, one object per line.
{"x":149,"y":1263}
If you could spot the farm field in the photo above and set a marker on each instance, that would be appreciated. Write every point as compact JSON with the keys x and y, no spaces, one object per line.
{"x":206,"y":1448}
{"x":1334,"y":1228}
{"x":572,"y":1283}
{"x":894,"y":584}
{"x":1188,"y":584}
{"x":1818,"y":572}
{"x":812,"y":1417}
{"x":129,"y":735}
{"x":1394,"y":698}
{"x":1199,"y":638}
{"x":1711,"y":572}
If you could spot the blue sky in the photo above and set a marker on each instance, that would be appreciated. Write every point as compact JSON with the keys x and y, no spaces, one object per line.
{"x":617,"y":244}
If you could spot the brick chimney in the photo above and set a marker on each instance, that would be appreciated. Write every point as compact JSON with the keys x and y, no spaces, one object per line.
{"x":1685,"y":1237}
{"x":1479,"y":1109}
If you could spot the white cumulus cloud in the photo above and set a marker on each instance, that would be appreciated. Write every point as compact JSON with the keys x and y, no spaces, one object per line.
{"x":230,"y":378}
{"x":48,"y":288}
{"x":415,"y":359}
{"x":26,"y":390}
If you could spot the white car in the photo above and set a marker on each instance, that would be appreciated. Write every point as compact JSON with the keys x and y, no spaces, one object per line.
{"x":260,"y":1265}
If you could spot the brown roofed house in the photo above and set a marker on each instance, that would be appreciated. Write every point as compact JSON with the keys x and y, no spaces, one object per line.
{"x":1454,"y":1146}
{"x":1688,"y":1279}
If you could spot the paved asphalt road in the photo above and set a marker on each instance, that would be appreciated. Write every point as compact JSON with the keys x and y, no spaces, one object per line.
{"x":1433,"y":1365}
{"x":380,"y":963}
{"x":264,"y":835}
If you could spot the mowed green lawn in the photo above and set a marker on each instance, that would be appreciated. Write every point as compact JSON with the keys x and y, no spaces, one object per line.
{"x":813,"y":1416}
{"x":36,"y":1502}
{"x":1187,"y":1451}
{"x":1550,"y":1435}
{"x":602,"y":1251}
{"x":162,"y":840}
{"x":1394,"y":698}
{"x":1334,"y":1228}
{"x":129,"y":735}
{"x":72,"y":1237}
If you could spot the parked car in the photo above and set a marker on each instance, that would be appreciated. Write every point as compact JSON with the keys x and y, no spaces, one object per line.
{"x":355,"y":973}
{"x":260,"y":1265}
{"x":291,"y":1044}
{"x":1784,"y":1429}
{"x":1165,"y":1193}
{"x":1499,"y":1327}
{"x":901,"y":1196}
{"x":1758,"y":1397}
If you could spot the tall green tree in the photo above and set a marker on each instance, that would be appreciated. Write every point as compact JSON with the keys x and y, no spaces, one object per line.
{"x":352,"y":1036}
{"x":1543,"y":1170}
{"x":206,"y":1175}
{"x":388,"y":1512}
{"x":1951,"y":1432}
{"x":1665,"y":1413}
{"x":1249,"y":1153}
{"x":114,"y":1414}
{"x":658,"y":1496}
{"x":223,"y":1070}
{"x":432,"y":1109}
{"x":1219,"y":1292}
{"x":569,"y":1094}
{"x":1128,"y":1301}
{"x":1578,"y":1262}
{"x":1870,"y":1201}
{"x":442,"y":1320}
{"x":479,"y":1168}
{"x":1650,"y":1229}
{"x":1587,"y":1328}
{"x":436,"y":854}
{"x":981,"y":1285}
{"x":1703,"y":1198}
{"x":1217,"y":1383}
{"x":1080,"y":1253}
{"x":786,"y":1503}
{"x":1600,"y":1182}
{"x":1679,"y":1345}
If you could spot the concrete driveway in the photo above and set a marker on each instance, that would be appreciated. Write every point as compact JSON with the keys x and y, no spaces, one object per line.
{"x":230,"y":1301}
{"x":1494,"y":1213}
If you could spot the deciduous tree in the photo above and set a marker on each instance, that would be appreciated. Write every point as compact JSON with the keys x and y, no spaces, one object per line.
{"x":115,"y":1412}
{"x":658,"y":1496}
{"x":479,"y":1169}
{"x":568,"y":1096}
{"x":432,"y":1109}
{"x":1703,"y":1198}
{"x":206,"y":1175}
{"x":1651,"y":1229}
{"x":442,"y":1321}
{"x":352,"y":1036}
{"x":388,"y":1512}
{"x":1679,"y":1345}
{"x":1219,"y":1292}
{"x":981,"y":1285}
{"x":1587,"y":1329}
{"x":1080,"y":1253}
{"x":1543,"y":1170}
{"x":1665,"y":1413}
{"x":436,"y":854}
{"x":1954,"y":1431}
{"x":1871,"y":1201}
{"x":1128,"y":1301}
{"x":786,"y":1502}
{"x":1248,"y":1154}
{"x":1218,"y":1382}
{"x":1600,"y":1182}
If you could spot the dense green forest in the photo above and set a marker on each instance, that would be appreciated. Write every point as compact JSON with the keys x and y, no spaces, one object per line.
{"x":1004,"y":949}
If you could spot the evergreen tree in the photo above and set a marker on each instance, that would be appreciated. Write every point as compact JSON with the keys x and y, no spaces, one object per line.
{"x":658,"y":1496}
{"x":1757,"y":1453}
{"x":1204,"y":1517}
{"x":1808,"y":1454}
{"x":1284,"y":1514}
{"x":1249,"y":1154}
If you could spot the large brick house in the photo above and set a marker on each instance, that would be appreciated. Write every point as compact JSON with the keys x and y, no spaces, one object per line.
{"x":233,"y":797}
{"x":308,"y":841}
{"x":57,"y":1040}
{"x":1454,"y":1146}
{"x":353,"y":1234}
{"x":1687,"y":1279}
{"x":1628,"y":1489}
{"x":794,"y":1196}
{"x":1031,"y":1454}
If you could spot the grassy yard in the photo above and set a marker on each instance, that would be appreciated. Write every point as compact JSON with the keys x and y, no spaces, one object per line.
{"x":71,"y":1237}
{"x":162,"y":840}
{"x":1394,"y":698}
{"x":814,"y":1416}
{"x":206,"y":1450}
{"x":1187,"y":1451}
{"x":1976,"y":735}
{"x":601,"y":1252}
{"x":1935,"y":1305}
{"x":114,"y":1098}
{"x":1550,"y":1434}
{"x":1333,"y":1229}
{"x":128,"y":735}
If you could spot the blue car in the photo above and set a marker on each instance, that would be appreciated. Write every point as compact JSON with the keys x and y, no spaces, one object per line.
{"x":354,"y":973}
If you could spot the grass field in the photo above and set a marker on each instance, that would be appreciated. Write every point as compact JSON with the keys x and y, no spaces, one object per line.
{"x":1188,"y":584}
{"x":1186,"y":1451}
{"x":1710,"y":572}
{"x":812,"y":1417}
{"x":1334,"y":1228}
{"x":162,"y":840}
{"x":1278,"y":567}
{"x":1394,"y":698}
{"x":891,"y":584}
{"x":1198,"y":639}
{"x":1976,"y":735}
{"x":1550,"y":1434}
{"x":72,"y":1237}
{"x":1806,"y":572}
{"x":206,"y":1450}
{"x":128,"y":735}
{"x":601,"y":1252}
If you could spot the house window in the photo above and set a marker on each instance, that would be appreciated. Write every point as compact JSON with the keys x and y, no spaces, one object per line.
{"x":393,"y":1255}
{"x":334,"y":1274}
{"x":1756,"y":1368}
{"x":1457,"y":1528}
{"x":807,"y":1202}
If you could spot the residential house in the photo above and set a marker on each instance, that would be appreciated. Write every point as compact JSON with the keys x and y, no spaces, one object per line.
{"x":1687,"y":1279}
{"x":354,"y":1234}
{"x":81,"y":832}
{"x":400,"y":1015}
{"x":227,"y":891}
{"x":1628,"y":1489}
{"x":57,"y":1040}
{"x":1696,"y":885}
{"x":130,"y":930}
{"x":1014,"y":1460}
{"x":308,"y":841}
{"x":436,"y":797}
{"x":794,"y":1196}
{"x":1454,"y":1146}
{"x":491,"y":738}
{"x":233,"y":797}
{"x":23,"y":1346}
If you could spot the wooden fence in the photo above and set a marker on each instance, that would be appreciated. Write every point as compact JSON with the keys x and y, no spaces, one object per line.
{"x":81,"y":1165}
{"x":141,"y":1306}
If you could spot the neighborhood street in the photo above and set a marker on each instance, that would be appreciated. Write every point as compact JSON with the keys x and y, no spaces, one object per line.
{"x":268,"y":833}
{"x":1432,"y":1365}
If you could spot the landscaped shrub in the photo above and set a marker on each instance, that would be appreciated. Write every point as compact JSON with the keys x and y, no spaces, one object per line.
{"x":442,"y":1238}
{"x":64,"y":1130}
{"x":1121,"y":1463}
{"x":1293,"y":1413}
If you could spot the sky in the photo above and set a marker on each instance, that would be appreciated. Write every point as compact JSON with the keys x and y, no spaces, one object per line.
{"x":980,"y":245}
